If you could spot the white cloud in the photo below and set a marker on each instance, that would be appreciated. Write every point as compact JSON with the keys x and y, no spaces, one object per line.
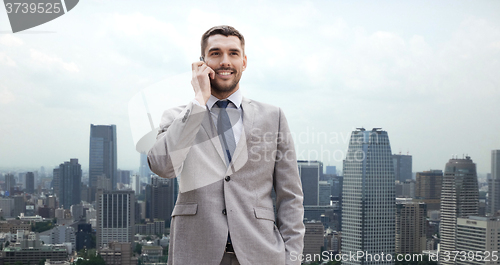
{"x":6,"y":60}
{"x":6,"y":96}
{"x":44,"y":60}
{"x":10,"y":40}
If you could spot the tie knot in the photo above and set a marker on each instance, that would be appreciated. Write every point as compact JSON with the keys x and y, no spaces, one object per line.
{"x":222,"y":104}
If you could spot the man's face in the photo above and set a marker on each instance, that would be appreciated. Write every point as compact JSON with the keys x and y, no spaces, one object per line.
{"x":226,"y":57}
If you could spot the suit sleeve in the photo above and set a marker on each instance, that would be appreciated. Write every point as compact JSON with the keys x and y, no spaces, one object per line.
{"x":289,"y":196}
{"x":178,"y":129}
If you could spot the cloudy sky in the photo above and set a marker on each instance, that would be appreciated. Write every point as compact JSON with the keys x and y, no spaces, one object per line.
{"x":427,"y":72}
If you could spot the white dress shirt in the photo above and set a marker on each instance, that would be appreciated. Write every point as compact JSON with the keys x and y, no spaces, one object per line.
{"x":235,"y":100}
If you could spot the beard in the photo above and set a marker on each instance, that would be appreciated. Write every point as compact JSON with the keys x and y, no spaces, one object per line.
{"x":219,"y":88}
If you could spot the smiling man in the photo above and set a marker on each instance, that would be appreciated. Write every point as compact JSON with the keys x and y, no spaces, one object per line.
{"x":229,"y":153}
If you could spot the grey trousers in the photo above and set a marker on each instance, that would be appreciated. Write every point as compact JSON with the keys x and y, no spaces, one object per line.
{"x":229,"y":259}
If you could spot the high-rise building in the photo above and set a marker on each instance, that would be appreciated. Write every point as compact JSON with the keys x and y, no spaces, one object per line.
{"x":310,"y":172}
{"x":161,"y":196}
{"x":407,"y":189}
{"x":428,"y":188}
{"x":459,"y":199}
{"x":402,"y":167}
{"x":30,"y":182}
{"x":325,"y":190}
{"x":19,"y":205}
{"x":115,"y":216}
{"x":102,"y":155}
{"x":69,"y":180}
{"x":369,"y":206}
{"x":55,"y":181}
{"x":494,"y":184}
{"x":331,"y":170}
{"x":313,"y":238}
{"x":10,"y":183}
{"x":136,"y":184}
{"x":7,"y":207}
{"x":478,"y":235}
{"x":410,"y":227}
{"x":144,"y":170}
{"x":124,"y":176}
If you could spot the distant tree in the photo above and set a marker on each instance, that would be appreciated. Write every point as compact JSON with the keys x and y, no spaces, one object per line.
{"x":138,"y":248}
{"x":95,"y":260}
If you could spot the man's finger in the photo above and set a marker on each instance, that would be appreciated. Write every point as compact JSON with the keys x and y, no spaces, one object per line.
{"x":212,"y":73}
{"x":195,"y":65}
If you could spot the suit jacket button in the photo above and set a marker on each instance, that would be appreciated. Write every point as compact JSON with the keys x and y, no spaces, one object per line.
{"x":224,"y":212}
{"x":227,"y":178}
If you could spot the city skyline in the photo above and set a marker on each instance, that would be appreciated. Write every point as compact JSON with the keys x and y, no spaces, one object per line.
{"x":424,"y":71}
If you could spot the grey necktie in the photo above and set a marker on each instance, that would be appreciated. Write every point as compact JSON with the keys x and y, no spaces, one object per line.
{"x":225,"y":130}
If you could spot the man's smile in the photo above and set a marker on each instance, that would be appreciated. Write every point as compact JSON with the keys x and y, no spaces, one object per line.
{"x":224,"y":73}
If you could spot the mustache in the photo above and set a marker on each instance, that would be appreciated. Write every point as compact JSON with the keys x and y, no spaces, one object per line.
{"x":225,"y":69}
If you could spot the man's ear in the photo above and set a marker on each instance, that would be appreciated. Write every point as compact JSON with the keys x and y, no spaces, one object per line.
{"x":244,"y":63}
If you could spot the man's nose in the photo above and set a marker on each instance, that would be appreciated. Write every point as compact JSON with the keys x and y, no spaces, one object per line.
{"x":225,"y":61}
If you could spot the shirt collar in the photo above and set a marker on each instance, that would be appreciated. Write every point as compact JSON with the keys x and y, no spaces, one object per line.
{"x":235,"y":98}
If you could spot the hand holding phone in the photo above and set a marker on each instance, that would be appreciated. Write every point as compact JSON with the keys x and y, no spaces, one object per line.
{"x":201,"y":80}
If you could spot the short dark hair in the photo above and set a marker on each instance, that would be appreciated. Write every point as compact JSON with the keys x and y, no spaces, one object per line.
{"x":222,"y":30}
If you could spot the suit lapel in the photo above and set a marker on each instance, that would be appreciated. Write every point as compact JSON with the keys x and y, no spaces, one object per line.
{"x":209,"y":127}
{"x":248,"y":119}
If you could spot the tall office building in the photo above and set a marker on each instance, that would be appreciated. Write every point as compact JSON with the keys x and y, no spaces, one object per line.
{"x":402,"y":167}
{"x":30,"y":182}
{"x":313,"y":238}
{"x":331,"y":170}
{"x":69,"y":180}
{"x":102,"y":155}
{"x":115,"y":216}
{"x":478,"y":235}
{"x":161,"y":196}
{"x":494,"y":184}
{"x":10,"y":183}
{"x":325,"y":190}
{"x":411,"y":227}
{"x":55,"y":181}
{"x":310,"y":172}
{"x":369,"y":206}
{"x":428,"y":188}
{"x":144,"y":170}
{"x":124,"y":176}
{"x":19,"y":205}
{"x":459,"y":199}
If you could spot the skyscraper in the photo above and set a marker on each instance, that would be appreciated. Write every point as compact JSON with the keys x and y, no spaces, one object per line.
{"x":10,"y":182}
{"x":70,"y":177}
{"x":30,"y":182}
{"x":102,"y":155}
{"x":459,"y":199}
{"x":161,"y":195}
{"x":144,"y":170}
{"x":115,"y":216}
{"x":310,"y":172}
{"x":368,"y":211}
{"x":410,"y":227}
{"x":428,"y":188}
{"x":402,"y":167}
{"x":494,"y":184}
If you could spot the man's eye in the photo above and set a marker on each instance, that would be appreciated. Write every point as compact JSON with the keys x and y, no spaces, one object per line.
{"x":215,"y":54}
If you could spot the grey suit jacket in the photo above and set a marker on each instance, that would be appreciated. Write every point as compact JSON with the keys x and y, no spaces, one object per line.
{"x":215,"y":199}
